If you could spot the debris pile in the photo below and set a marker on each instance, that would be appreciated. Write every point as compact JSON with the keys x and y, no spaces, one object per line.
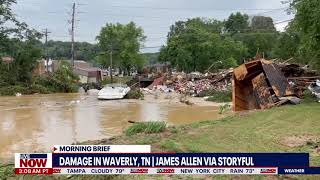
{"x":257,"y":84}
{"x":193,"y":85}
{"x":315,"y":89}
{"x":260,"y":84}
{"x":299,"y":77}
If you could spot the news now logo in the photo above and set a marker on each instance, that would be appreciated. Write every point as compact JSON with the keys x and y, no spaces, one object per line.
{"x":33,"y":163}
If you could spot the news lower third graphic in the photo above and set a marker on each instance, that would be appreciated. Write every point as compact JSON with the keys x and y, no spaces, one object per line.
{"x":138,"y":159}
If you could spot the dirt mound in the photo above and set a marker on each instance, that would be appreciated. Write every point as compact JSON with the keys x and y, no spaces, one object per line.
{"x":296,"y":141}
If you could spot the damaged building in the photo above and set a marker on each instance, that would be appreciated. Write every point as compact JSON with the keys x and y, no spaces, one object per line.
{"x":259,"y":84}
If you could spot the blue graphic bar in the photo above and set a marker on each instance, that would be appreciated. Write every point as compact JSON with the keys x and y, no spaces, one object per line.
{"x":182,"y":160}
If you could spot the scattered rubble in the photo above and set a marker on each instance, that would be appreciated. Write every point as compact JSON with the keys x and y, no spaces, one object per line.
{"x":300,"y":77}
{"x":315,"y":89}
{"x":193,"y":83}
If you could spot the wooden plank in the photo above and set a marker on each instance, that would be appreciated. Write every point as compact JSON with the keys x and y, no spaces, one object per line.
{"x":277,"y":80}
{"x":240,"y":72}
{"x":262,"y":91}
{"x":234,"y":93}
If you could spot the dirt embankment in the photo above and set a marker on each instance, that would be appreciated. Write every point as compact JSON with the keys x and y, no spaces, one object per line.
{"x":176,"y":98}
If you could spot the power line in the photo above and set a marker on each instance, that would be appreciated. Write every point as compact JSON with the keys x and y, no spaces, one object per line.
{"x":269,"y":11}
{"x":200,"y":8}
{"x":284,"y":21}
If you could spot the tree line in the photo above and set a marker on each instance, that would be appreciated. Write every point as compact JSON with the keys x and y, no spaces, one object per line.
{"x":199,"y":43}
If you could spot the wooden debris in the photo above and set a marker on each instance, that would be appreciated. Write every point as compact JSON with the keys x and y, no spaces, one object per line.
{"x":258,"y":85}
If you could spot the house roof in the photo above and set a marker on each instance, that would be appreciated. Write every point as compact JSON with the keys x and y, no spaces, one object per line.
{"x":7,"y":59}
{"x":90,"y":72}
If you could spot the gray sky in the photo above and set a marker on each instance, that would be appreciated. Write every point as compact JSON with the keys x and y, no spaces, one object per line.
{"x":154,"y":16}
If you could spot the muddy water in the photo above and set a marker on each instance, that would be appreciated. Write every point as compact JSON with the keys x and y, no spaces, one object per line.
{"x":35,"y":123}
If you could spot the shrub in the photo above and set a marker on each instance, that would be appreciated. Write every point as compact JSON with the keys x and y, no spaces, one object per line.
{"x":6,"y":171}
{"x":146,"y":127}
{"x":23,"y":89}
{"x":171,"y":146}
{"x":308,"y":97}
{"x":135,"y":94}
{"x":223,"y":108}
{"x":37,"y":88}
{"x":61,"y":81}
{"x":12,"y":90}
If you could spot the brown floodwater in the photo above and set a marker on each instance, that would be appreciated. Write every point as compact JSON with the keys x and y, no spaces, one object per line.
{"x":36,"y":123}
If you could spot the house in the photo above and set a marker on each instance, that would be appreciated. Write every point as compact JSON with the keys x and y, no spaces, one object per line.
{"x":157,"y":68}
{"x":41,"y":67}
{"x":7,"y":59}
{"x":86,"y":72}
{"x":88,"y":75}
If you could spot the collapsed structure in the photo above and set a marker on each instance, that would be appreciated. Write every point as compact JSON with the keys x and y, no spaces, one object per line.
{"x":259,"y":84}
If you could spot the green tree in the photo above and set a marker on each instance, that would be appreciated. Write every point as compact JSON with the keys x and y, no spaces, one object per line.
{"x":259,"y":36}
{"x":18,"y":42}
{"x":125,"y":42}
{"x":151,"y":58}
{"x":237,"y":23}
{"x":287,"y":44}
{"x":64,"y":80}
{"x":262,"y":24}
{"x":258,"y":42}
{"x":307,"y":24}
{"x":60,"y":50}
{"x":197,"y":44}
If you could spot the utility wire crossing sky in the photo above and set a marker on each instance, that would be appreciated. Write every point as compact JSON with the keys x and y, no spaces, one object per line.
{"x":154,"y":16}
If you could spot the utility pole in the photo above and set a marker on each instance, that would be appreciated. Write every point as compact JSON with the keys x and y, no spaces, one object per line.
{"x":72,"y":33}
{"x":111,"y":51}
{"x":46,"y":32}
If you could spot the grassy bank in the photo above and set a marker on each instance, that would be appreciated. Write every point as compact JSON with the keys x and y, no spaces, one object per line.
{"x":283,"y":129}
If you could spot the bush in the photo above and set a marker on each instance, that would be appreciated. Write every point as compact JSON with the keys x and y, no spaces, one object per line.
{"x":135,"y":94}
{"x":37,"y":88}
{"x":223,"y":108}
{"x":171,"y":146}
{"x":61,"y":81}
{"x":6,"y":171}
{"x":308,"y":97}
{"x":146,"y":127}
{"x":23,"y":89}
{"x":12,"y":90}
